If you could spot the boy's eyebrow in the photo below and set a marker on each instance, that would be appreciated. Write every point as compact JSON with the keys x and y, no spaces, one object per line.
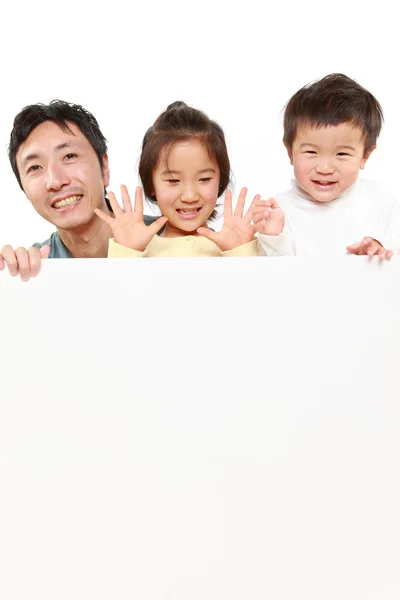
{"x":173,"y":172}
{"x":35,"y":155}
{"x":344,"y":146}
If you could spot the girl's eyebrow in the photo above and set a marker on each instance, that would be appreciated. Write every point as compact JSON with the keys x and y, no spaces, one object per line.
{"x":173,"y":172}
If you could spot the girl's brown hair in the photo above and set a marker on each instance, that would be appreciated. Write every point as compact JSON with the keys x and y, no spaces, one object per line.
{"x":179,"y":123}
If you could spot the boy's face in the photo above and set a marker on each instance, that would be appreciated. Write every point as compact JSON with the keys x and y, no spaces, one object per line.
{"x":327,"y":160}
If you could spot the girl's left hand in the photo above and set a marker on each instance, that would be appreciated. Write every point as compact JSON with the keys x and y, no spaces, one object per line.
{"x":237,"y":229}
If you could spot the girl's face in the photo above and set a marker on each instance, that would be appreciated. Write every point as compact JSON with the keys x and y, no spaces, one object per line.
{"x":186,"y":183}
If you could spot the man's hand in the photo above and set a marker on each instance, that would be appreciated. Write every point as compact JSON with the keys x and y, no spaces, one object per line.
{"x":24,"y":262}
{"x":370,"y":247}
{"x":268,"y":217}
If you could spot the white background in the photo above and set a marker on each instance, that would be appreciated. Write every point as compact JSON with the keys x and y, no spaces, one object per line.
{"x":234,"y":435}
{"x":175,"y":429}
{"x":239,"y":62}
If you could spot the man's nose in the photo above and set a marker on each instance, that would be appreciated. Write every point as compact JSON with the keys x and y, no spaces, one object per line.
{"x":57,"y":177}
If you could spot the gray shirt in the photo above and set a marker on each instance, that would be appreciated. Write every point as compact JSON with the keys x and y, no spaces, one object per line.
{"x":59,"y":250}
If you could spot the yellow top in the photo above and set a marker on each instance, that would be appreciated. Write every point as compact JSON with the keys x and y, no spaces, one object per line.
{"x":186,"y":246}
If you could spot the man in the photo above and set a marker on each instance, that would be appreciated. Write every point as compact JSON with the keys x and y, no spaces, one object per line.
{"x":59,"y":157}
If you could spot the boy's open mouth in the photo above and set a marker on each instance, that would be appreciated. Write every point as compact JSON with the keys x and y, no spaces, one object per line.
{"x":323,"y":183}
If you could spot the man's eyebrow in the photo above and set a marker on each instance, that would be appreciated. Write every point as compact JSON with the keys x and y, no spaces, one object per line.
{"x":36,"y":155}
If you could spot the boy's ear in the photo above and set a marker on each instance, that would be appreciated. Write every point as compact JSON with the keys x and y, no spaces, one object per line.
{"x":290,"y":154}
{"x":366,"y":156}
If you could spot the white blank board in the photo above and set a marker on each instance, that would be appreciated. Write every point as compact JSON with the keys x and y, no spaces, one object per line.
{"x":175,"y":429}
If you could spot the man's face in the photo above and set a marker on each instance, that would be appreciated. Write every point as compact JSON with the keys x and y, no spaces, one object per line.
{"x":61,"y":175}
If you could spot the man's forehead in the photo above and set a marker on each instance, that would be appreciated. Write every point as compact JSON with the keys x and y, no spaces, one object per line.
{"x":50,"y":135}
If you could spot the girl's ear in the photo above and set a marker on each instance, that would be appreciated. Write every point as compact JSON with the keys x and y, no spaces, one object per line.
{"x":366,"y":157}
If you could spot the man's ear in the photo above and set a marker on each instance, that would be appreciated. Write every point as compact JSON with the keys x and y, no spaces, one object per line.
{"x":106,"y":171}
{"x":367,"y":154}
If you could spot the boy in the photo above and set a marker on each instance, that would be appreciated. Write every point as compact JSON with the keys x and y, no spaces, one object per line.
{"x":330,"y":129}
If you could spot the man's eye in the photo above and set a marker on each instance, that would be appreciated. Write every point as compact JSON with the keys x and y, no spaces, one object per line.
{"x":70,"y":155}
{"x":33,"y":168}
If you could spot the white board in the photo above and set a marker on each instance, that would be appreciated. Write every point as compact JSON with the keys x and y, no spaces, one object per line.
{"x":201,"y":429}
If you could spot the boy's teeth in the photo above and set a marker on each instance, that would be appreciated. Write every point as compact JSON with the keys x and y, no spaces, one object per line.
{"x":67,"y":201}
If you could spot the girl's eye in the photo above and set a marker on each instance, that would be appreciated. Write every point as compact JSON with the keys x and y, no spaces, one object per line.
{"x":205,"y":179}
{"x":173,"y":180}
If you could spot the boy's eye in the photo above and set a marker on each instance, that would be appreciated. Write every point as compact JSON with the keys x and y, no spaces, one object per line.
{"x":310,"y":152}
{"x":343,"y":154}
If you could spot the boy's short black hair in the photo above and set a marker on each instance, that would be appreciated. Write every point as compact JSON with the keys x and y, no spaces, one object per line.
{"x":332,"y":100}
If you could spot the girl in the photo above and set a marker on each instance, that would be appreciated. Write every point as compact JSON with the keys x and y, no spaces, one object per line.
{"x":184,"y":168}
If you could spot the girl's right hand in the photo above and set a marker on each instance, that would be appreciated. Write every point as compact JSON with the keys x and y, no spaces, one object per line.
{"x":127,"y":225}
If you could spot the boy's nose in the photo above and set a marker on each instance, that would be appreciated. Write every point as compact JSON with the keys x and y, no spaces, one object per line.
{"x":325,"y":167}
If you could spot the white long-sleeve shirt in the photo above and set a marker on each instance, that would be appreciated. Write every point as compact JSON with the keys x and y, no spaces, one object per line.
{"x":366,"y":209}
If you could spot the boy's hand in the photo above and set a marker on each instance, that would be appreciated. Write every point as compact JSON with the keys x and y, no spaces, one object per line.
{"x":237,"y":229}
{"x":370,"y":247}
{"x":268,"y":217}
{"x":25,"y":262}
{"x":127,"y":225}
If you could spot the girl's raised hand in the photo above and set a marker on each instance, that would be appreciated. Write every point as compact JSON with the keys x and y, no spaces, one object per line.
{"x":237,"y":229}
{"x":127,"y":225}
